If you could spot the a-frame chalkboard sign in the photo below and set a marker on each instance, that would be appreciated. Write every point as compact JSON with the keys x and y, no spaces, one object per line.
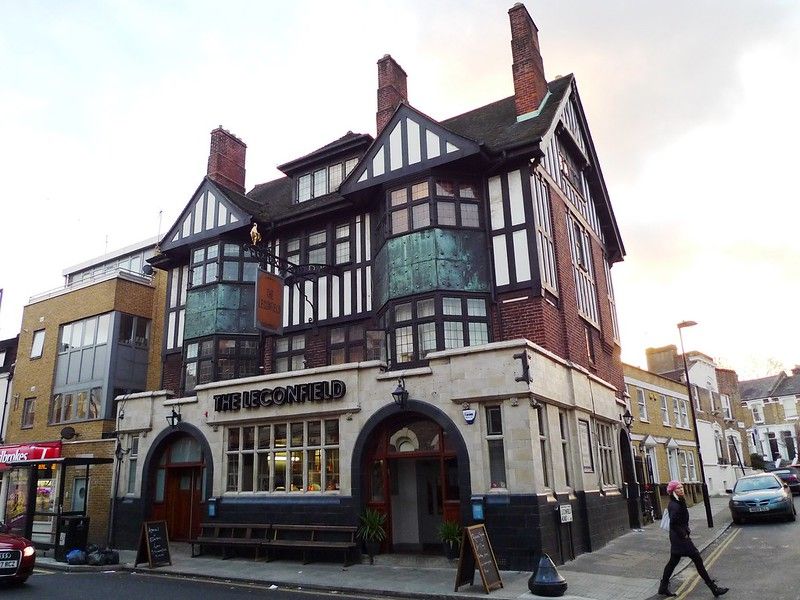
{"x":476,"y":550}
{"x":153,"y":546}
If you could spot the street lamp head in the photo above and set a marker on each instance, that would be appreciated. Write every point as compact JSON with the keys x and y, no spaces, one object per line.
{"x":684,"y":324}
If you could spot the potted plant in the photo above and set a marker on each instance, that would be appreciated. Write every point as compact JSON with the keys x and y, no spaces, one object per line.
{"x":371,"y":531}
{"x":450,"y":534}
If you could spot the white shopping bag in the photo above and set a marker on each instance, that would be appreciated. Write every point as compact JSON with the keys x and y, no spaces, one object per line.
{"x":665,"y":520}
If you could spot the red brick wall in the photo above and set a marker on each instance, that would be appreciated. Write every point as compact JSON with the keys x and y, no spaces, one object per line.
{"x":171,"y":379}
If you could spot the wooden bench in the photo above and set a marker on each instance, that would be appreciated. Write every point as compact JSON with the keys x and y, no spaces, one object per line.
{"x":309,"y":538}
{"x":231,"y":535}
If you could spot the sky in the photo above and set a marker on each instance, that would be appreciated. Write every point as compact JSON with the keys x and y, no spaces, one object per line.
{"x":106,"y":109}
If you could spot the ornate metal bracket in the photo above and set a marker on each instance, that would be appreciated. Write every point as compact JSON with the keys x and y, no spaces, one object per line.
{"x":291,"y":272}
{"x":526,"y":374}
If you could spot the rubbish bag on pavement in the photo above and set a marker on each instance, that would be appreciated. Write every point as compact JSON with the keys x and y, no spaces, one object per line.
{"x":110,"y":557}
{"x":95,"y":558}
{"x":76,"y":557}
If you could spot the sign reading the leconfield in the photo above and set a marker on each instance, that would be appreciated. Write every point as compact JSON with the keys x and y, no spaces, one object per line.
{"x":27,"y":452}
{"x":316,"y":391}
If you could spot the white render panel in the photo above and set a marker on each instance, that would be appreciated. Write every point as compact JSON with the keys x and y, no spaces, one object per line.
{"x":496,"y":203}
{"x":377,"y":163}
{"x":171,"y":331}
{"x":432,"y":144}
{"x":322,"y":298}
{"x":414,"y":149}
{"x":450,"y":147}
{"x":368,"y":250}
{"x":198,"y":215}
{"x":368,"y":271}
{"x":336,"y":308}
{"x":308,"y":289}
{"x":500,"y":260}
{"x":184,"y":284}
{"x":222,"y":214}
{"x":286,"y":321}
{"x":186,"y":231}
{"x":396,"y":147}
{"x":348,"y":293}
{"x":234,"y":218}
{"x":358,"y":239}
{"x":363,"y":176}
{"x":211,"y":207}
{"x":515,"y":198}
{"x":522,"y":261}
{"x":359,"y":294}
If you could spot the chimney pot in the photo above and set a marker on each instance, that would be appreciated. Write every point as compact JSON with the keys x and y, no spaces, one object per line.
{"x":530,"y":84}
{"x":226,"y":160}
{"x":392,"y":90}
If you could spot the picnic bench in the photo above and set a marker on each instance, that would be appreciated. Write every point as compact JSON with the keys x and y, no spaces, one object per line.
{"x":310,"y":538}
{"x":306,"y":539}
{"x":231,"y":535}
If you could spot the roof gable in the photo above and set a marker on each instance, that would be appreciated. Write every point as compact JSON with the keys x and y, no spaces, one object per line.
{"x":209,"y":213}
{"x":411,"y":142}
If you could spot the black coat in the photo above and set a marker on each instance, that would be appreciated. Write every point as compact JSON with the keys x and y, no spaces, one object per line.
{"x":679,"y":540}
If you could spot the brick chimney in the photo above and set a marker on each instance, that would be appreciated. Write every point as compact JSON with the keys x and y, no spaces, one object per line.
{"x":391,"y":90}
{"x":226,"y":160}
{"x":530,"y":85}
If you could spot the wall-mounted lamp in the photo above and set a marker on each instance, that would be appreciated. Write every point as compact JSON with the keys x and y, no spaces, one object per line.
{"x":469,"y":413}
{"x":400,"y":394}
{"x":174,"y":418}
{"x":533,"y":402}
{"x":627,"y":418}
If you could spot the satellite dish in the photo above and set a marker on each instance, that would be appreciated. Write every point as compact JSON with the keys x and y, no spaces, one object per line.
{"x":147,"y":269}
{"x":67,"y":433}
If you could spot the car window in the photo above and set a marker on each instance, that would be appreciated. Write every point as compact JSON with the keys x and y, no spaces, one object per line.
{"x":757,"y":483}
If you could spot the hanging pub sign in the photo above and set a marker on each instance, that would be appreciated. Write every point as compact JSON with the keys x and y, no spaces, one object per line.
{"x":269,"y":302}
{"x":28,"y":452}
{"x":300,"y":393}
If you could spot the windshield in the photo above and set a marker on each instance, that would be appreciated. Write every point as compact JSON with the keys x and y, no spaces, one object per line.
{"x":757,"y":483}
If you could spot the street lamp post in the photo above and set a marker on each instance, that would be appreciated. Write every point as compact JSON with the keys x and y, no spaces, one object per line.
{"x":706,"y":500}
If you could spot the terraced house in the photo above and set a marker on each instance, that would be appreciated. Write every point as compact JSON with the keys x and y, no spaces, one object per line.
{"x":444,"y":343}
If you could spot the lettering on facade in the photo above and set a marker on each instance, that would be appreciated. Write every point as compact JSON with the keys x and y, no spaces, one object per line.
{"x":316,"y":391}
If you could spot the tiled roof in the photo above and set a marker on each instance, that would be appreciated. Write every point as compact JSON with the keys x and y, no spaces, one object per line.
{"x":754,"y":389}
{"x":790,"y":386}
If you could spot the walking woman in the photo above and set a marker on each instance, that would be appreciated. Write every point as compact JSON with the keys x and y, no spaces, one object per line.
{"x":680,"y":544}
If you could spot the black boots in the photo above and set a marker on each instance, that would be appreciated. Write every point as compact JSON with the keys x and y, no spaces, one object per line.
{"x":663,"y":589}
{"x":717,"y":590}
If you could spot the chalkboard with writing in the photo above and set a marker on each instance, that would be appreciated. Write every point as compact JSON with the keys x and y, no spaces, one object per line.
{"x":476,"y":550}
{"x":153,"y":545}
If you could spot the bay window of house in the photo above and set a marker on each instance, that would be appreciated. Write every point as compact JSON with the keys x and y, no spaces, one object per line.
{"x":236,"y":266}
{"x":684,"y":415}
{"x":217,"y":358}
{"x":672,"y":462}
{"x":676,"y":411}
{"x":758,"y":413}
{"x":789,"y":407}
{"x":605,"y":444}
{"x":134,"y":331}
{"x":295,"y":456}
{"x":437,"y":323}
{"x":692,"y":469}
{"x":774,"y":451}
{"x":204,"y":265}
{"x":695,"y":396}
{"x":316,"y":247}
{"x":494,"y":443}
{"x":73,"y":406}
{"x":544,"y":233}
{"x":642,"y":404}
{"x":290,"y":353}
{"x":452,"y":204}
{"x":787,"y":441}
{"x":718,"y":446}
{"x":733,"y":450}
{"x":346,"y":344}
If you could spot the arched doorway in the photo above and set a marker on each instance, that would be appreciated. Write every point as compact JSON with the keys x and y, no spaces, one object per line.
{"x":410,"y":473}
{"x":179,"y":480}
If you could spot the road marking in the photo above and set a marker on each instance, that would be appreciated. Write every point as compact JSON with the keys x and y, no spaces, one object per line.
{"x":688,"y":586}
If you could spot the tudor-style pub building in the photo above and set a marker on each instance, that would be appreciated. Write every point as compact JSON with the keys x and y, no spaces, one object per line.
{"x":468,"y":262}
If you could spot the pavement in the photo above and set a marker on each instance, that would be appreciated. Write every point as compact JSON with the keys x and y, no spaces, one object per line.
{"x":628,"y":568}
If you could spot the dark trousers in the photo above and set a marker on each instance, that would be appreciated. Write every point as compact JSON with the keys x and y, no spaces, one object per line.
{"x":674,"y":559}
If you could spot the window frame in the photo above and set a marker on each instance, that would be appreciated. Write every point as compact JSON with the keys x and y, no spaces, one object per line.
{"x":37,"y":343}
{"x":291,"y":353}
{"x":214,"y":358}
{"x":641,"y":402}
{"x":433,"y":199}
{"x":605,"y":449}
{"x":495,"y":459}
{"x":28,"y":415}
{"x":351,"y":345}
{"x":346,"y":165}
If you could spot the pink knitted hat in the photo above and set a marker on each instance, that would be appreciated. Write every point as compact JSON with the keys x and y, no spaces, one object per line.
{"x":672,"y":485}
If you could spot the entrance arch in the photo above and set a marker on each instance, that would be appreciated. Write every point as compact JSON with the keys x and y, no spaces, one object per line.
{"x":629,"y":478}
{"x":412,"y":465}
{"x":177,"y":480}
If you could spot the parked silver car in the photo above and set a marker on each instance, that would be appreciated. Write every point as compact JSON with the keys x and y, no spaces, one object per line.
{"x":761,"y":495}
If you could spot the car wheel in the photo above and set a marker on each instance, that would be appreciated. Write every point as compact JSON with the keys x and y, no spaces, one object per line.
{"x":738,"y":520}
{"x":793,"y":514}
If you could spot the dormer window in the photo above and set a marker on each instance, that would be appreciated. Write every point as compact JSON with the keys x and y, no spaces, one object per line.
{"x":324,"y":181}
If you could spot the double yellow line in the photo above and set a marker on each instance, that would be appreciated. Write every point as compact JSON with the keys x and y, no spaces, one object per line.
{"x":687,"y":586}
